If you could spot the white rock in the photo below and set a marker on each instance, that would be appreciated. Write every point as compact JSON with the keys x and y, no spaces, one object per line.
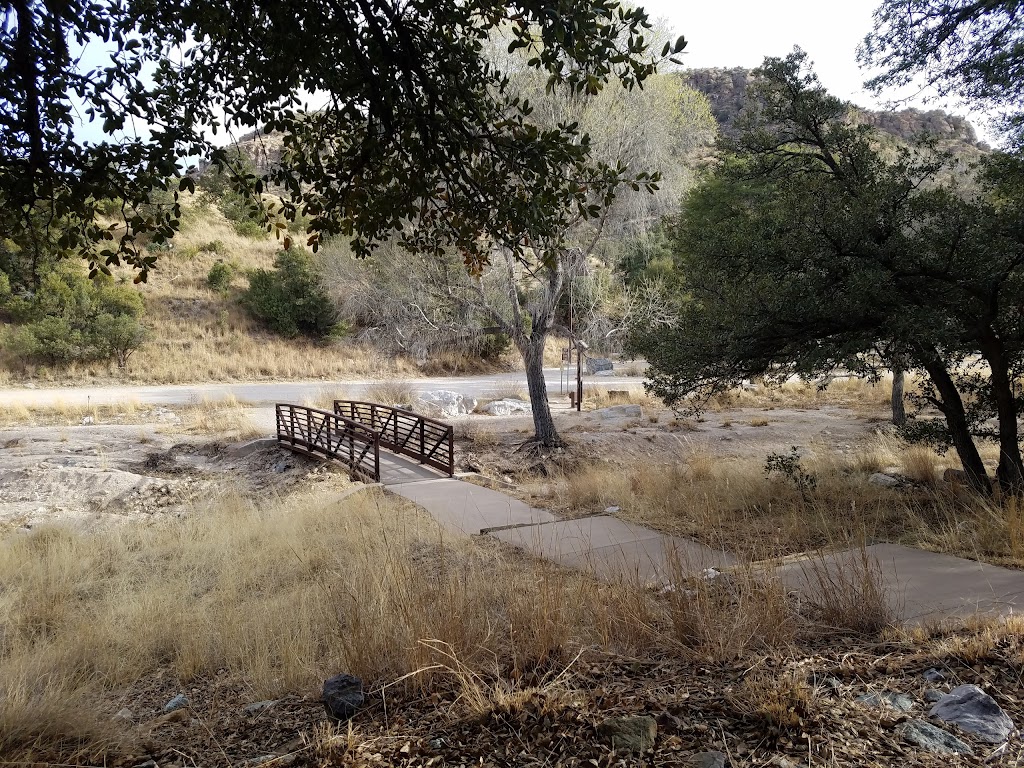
{"x":507,"y":407}
{"x":447,"y":402}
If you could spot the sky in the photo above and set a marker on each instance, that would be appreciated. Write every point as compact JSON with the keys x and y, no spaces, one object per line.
{"x":740,"y":33}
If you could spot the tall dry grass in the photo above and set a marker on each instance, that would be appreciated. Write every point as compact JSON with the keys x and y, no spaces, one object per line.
{"x":730,"y":502}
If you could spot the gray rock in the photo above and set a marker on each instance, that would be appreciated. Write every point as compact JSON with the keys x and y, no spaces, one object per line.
{"x":612,"y":509}
{"x":507,"y":407}
{"x":620,"y":411}
{"x":934,"y":675}
{"x":124,"y":715}
{"x":343,"y":696}
{"x":178,"y":702}
{"x":975,"y":712}
{"x":281,"y":467}
{"x":258,"y":706}
{"x":934,"y":739}
{"x":883,"y":481}
{"x":708,"y":760}
{"x":598,"y":364}
{"x":631,"y":734}
{"x":899,"y":701}
{"x":933,"y":695}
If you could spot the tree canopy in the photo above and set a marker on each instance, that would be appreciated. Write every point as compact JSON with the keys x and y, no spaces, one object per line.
{"x":811,"y":246}
{"x":973,"y":49}
{"x":394,"y":122}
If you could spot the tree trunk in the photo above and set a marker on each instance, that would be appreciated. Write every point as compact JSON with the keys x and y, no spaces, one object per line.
{"x":899,"y":411}
{"x":952,"y":407}
{"x":1010,"y":471}
{"x":532,"y":350}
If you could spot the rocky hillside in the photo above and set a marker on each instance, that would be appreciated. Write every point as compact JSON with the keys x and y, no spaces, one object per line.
{"x":726,"y":89}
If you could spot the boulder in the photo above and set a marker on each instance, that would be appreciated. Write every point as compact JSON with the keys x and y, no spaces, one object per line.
{"x":934,"y":739}
{"x":446,"y":402}
{"x":599,"y":364}
{"x":975,"y":712}
{"x":883,"y":480}
{"x":507,"y":407}
{"x":630,"y":734}
{"x":343,"y":696}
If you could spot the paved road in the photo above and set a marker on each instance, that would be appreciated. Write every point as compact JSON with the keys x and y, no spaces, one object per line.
{"x":276,"y":392}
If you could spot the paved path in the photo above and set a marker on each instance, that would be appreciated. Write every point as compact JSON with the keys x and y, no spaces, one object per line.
{"x":920,"y":586}
{"x":606,"y":546}
{"x":276,"y":392}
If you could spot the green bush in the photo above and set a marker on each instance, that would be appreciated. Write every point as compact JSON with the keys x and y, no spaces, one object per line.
{"x":289,"y":299}
{"x":73,"y":319}
{"x":219,"y":277}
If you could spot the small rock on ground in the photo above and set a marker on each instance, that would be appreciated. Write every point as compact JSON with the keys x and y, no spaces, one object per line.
{"x":632,"y":734}
{"x":899,"y":701}
{"x":975,"y":712}
{"x":934,"y":675}
{"x":343,"y":696}
{"x":258,"y":706}
{"x":933,"y":695}
{"x":883,"y":481}
{"x":934,"y":739}
{"x":708,"y":760}
{"x":179,"y":701}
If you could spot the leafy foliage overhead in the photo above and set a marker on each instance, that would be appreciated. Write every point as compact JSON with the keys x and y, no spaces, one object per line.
{"x":973,"y":49}
{"x":408,"y":129}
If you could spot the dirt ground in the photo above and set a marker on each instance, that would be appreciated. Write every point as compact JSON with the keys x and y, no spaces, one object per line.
{"x":92,"y":475}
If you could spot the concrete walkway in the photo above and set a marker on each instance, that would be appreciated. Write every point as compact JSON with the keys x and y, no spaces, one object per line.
{"x":919,"y":586}
{"x":606,"y":546}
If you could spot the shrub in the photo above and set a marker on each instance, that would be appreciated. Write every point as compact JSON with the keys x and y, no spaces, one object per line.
{"x":289,"y":299}
{"x":219,"y":277}
{"x":73,"y":319}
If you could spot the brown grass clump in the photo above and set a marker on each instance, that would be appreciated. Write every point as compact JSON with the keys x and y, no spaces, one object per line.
{"x":848,"y":594}
{"x":920,"y":464}
{"x":226,"y":417}
{"x":602,"y":397}
{"x":391,"y":392}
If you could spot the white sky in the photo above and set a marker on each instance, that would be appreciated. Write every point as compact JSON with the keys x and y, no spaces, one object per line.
{"x":740,"y":33}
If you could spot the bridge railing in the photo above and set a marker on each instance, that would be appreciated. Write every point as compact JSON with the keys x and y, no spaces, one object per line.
{"x":427,"y":440}
{"x":325,"y":434}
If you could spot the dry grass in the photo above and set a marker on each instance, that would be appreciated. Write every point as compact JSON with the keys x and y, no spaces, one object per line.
{"x":729,"y":502}
{"x":511,"y":390}
{"x":285,"y":595}
{"x":226,"y":418}
{"x":847,"y":392}
{"x":391,"y":392}
{"x":602,"y":397}
{"x":68,"y":414}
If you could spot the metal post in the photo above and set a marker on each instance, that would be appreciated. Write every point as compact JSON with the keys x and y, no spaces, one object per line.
{"x":423,"y":445}
{"x":579,"y":378}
